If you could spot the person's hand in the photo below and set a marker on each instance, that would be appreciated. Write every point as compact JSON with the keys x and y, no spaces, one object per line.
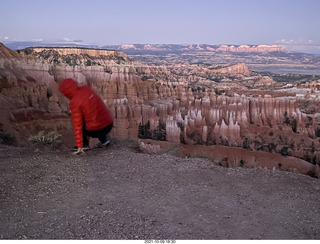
{"x":79,"y":151}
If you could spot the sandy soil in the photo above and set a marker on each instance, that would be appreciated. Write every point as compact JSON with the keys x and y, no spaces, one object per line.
{"x":119,"y":193}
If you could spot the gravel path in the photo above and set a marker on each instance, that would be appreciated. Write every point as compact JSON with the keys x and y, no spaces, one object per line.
{"x":119,"y":193}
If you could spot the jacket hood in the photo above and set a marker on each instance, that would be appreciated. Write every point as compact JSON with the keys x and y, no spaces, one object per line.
{"x":68,"y":87}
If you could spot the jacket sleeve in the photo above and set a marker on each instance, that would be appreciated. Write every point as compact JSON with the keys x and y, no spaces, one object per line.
{"x":77,"y":122}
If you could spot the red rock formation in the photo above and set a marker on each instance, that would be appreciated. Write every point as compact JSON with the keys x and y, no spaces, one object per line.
{"x":233,"y":157}
{"x":246,"y":48}
{"x":144,"y":101}
{"x":233,"y":70}
{"x":204,"y":47}
{"x":314,"y":85}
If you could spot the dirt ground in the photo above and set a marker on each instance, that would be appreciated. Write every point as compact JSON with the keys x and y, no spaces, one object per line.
{"x":119,"y":193}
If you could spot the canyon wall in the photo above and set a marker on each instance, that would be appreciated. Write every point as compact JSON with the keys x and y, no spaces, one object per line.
{"x":157,"y":102}
{"x":200,"y":47}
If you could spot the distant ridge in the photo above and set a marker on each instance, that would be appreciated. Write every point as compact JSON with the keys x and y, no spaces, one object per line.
{"x":74,"y":50}
{"x":153,"y":47}
{"x":261,"y":58}
{"x":25,"y":44}
{"x":200,"y":47}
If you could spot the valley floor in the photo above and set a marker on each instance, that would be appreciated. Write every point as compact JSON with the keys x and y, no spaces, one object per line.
{"x":120,"y":193}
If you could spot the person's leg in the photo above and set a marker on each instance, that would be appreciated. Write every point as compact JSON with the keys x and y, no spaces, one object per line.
{"x":85,"y":136}
{"x":103,"y":133}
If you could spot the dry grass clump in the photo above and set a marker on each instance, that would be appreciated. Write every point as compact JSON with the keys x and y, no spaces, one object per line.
{"x":51,"y":137}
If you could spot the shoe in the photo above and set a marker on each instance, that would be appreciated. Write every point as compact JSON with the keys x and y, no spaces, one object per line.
{"x":103,"y":144}
{"x":85,"y":148}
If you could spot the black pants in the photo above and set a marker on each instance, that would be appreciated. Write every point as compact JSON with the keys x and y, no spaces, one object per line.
{"x":100,"y":134}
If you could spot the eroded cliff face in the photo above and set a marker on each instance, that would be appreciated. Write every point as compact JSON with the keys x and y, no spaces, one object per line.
{"x":188,"y":104}
{"x":203,"y":47}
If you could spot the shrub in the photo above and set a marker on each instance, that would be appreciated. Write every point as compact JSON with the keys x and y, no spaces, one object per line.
{"x":158,"y":133}
{"x":6,"y":138}
{"x":51,"y":137}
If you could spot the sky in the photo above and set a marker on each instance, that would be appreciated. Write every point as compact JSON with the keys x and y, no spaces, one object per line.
{"x":294,"y":24}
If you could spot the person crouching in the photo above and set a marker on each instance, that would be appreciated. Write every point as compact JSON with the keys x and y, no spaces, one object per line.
{"x":90,"y":116}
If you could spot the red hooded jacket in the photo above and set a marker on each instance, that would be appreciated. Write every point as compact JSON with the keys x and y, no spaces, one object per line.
{"x":86,"y":106}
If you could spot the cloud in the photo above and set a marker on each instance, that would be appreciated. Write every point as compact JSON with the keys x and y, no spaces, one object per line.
{"x":300,"y":45}
{"x":67,"y":39}
{"x":296,"y":42}
{"x":37,"y":40}
{"x":4,"y":38}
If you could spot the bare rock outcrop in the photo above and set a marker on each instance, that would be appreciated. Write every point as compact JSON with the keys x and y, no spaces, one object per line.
{"x":247,"y":48}
{"x":184,"y":103}
{"x":202,"y":47}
